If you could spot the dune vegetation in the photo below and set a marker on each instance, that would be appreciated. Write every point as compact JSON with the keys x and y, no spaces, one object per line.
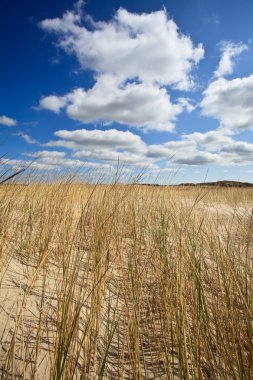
{"x":125,"y":282}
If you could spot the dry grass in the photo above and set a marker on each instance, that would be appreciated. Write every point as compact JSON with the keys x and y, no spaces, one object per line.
{"x":125,"y":282}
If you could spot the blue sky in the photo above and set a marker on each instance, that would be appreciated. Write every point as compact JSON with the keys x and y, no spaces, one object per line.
{"x":162,"y":85}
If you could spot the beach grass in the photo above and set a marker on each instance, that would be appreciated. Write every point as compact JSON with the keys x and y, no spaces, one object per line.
{"x":125,"y":281}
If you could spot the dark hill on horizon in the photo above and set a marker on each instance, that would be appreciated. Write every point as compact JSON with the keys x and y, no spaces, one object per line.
{"x":223,"y":183}
{"x":220,"y":184}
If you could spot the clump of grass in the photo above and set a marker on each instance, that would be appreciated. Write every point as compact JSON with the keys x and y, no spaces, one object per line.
{"x":125,"y":282}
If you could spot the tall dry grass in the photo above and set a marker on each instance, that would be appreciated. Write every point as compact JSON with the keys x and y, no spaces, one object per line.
{"x":125,"y":282}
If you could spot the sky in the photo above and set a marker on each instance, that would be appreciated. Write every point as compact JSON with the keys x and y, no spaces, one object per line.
{"x":164,"y":87}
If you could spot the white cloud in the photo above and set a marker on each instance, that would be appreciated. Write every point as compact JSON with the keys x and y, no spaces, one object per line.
{"x":132,"y":56}
{"x":66,"y":163}
{"x":110,"y":145}
{"x":238,"y":152}
{"x":110,"y":139}
{"x":27,"y":138}
{"x":48,"y":160}
{"x":8,"y":121}
{"x":53,"y":160}
{"x":239,"y":147}
{"x":186,"y":104}
{"x":229,"y":51}
{"x":211,"y":140}
{"x":47,"y":154}
{"x":138,"y":105}
{"x":101,"y":149}
{"x":197,"y":158}
{"x":213,"y":147}
{"x":136,"y":159}
{"x":144,"y":46}
{"x":52,"y":103}
{"x":182,"y":152}
{"x":231,"y":102}
{"x":171,"y":149}
{"x":136,"y":59}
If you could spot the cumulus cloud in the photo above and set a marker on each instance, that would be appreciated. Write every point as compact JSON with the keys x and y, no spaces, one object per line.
{"x":114,"y":145}
{"x":186,"y":104}
{"x":67,"y":163}
{"x":182,"y":152}
{"x":171,"y":149}
{"x":229,"y":51}
{"x":198,"y":158}
{"x":112,"y":138}
{"x":231,"y":102}
{"x":110,"y":145}
{"x":52,"y":103}
{"x":211,"y":140}
{"x":136,"y":59}
{"x":54,"y":160}
{"x":126,"y":157}
{"x":27,"y":138}
{"x":48,"y":160}
{"x":8,"y":121}
{"x":139,"y":105}
{"x":239,"y":147}
{"x":216,"y":147}
{"x":47,"y":154}
{"x":97,"y":148}
{"x":213,"y":147}
{"x":133,"y":57}
{"x":145,"y":46}
{"x":238,"y":152}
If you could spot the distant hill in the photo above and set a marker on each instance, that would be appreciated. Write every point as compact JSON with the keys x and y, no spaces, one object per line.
{"x":220,"y":184}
